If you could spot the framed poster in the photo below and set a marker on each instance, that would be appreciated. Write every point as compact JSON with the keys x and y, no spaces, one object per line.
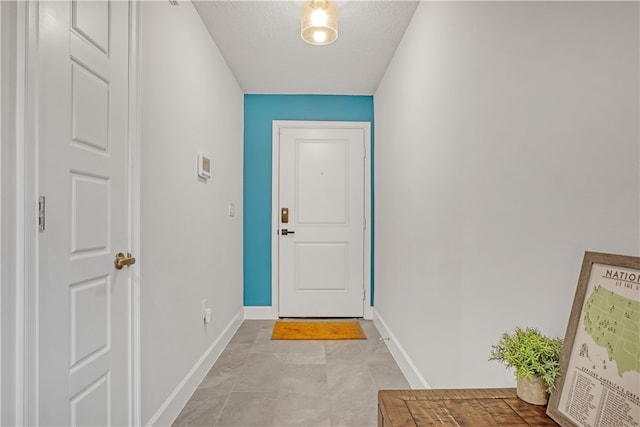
{"x":600,"y":361}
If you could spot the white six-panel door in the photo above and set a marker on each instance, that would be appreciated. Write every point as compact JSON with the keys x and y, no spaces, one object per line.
{"x":84,"y":303}
{"x":321,"y":253}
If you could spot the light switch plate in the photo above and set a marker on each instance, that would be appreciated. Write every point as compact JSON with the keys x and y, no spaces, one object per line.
{"x":204,"y":165}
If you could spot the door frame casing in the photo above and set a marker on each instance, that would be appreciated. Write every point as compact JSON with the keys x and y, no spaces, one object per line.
{"x":275,"y":202}
{"x":28,"y":334}
{"x":17,"y":211}
{"x":11,"y":213}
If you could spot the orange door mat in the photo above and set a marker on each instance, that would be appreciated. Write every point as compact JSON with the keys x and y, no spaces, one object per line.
{"x":318,"y":331}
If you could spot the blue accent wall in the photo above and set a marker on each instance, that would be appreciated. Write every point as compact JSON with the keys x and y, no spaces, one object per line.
{"x":259,"y":112}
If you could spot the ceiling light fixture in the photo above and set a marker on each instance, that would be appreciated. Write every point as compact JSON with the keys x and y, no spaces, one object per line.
{"x":319,"y":23}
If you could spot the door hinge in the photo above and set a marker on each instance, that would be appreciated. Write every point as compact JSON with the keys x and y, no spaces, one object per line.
{"x":41,"y":213}
{"x":364,"y":295}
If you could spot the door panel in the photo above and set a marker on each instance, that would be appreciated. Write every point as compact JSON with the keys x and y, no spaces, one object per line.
{"x":321,"y":266}
{"x":322,"y":184}
{"x":84,"y":304}
{"x":90,"y":106}
{"x":91,"y":20}
{"x":90,"y":303}
{"x":90,"y":206}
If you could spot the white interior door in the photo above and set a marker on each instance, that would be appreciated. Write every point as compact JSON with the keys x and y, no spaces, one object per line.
{"x":84,"y":303}
{"x":321,"y":242}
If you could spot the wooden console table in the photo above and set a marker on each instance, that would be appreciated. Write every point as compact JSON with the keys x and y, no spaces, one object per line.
{"x":490,"y":407}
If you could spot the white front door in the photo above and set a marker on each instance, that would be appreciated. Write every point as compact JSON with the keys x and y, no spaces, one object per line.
{"x":322,"y":229}
{"x":83,"y":302}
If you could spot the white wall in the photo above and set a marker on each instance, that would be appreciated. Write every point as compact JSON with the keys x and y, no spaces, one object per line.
{"x":190,"y":248}
{"x":506,"y":145}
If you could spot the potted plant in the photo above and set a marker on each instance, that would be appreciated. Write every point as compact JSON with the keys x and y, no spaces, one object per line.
{"x":536,"y":359}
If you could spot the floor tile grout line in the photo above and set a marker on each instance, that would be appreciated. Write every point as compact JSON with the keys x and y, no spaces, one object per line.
{"x":235,"y":379}
{"x":256,"y":336}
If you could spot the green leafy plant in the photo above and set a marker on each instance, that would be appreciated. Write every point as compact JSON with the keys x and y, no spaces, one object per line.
{"x":531,"y":354}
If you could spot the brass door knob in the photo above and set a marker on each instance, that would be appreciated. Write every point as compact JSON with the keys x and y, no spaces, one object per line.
{"x":124,"y":260}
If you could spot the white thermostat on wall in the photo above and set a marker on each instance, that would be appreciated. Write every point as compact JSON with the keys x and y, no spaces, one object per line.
{"x":204,"y":165}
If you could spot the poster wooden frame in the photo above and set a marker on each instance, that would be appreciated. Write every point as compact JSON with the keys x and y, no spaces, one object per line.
{"x":590,"y":258}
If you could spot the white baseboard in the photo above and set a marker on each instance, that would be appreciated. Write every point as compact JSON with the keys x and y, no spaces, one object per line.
{"x":171,"y":407}
{"x":406,"y":365}
{"x":260,"y":313}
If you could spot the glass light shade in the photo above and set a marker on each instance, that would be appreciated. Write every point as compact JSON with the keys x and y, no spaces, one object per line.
{"x":319,"y":23}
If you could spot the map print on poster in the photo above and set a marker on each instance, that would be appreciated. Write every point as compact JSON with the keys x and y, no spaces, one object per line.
{"x":601,"y":384}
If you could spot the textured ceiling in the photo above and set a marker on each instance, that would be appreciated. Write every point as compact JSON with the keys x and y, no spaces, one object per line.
{"x":260,"y":41}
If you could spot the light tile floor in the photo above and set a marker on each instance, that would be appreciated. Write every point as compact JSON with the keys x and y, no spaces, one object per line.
{"x":260,"y":382}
